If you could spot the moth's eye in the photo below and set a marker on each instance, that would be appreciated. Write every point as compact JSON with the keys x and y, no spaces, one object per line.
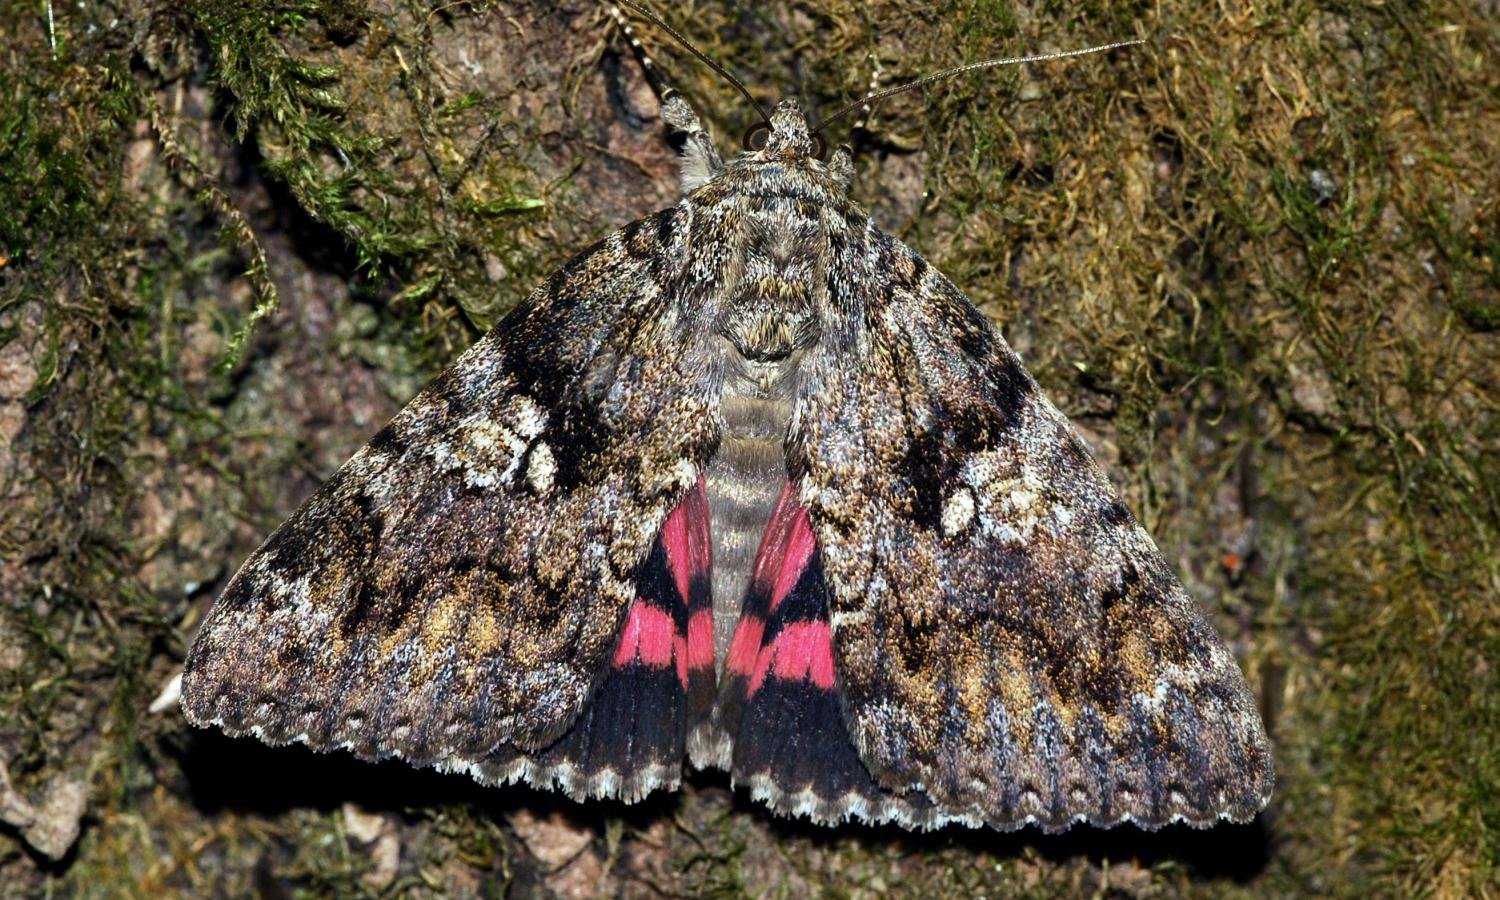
{"x":820,"y":147}
{"x":757,"y":136}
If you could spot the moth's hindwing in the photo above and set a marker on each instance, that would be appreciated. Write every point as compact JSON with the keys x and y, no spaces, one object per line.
{"x":456,"y":592}
{"x":780,"y":700}
{"x":629,"y":739}
{"x":1008,"y":643}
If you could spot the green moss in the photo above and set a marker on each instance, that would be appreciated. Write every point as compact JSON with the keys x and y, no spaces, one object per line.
{"x":280,"y":67}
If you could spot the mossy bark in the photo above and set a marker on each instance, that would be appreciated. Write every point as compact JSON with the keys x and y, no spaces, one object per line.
{"x":1255,"y":259}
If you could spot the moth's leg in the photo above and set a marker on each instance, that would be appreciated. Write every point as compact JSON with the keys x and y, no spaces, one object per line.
{"x":841,"y":165}
{"x":700,"y":159}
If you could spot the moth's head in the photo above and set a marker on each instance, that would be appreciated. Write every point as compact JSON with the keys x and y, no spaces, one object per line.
{"x":785,"y":137}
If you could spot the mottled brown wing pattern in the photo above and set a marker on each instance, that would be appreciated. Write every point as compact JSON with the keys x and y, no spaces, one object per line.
{"x":454,"y":592}
{"x":1008,"y":640}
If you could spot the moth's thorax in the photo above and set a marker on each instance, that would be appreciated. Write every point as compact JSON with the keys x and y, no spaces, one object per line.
{"x":767,"y":324}
{"x":769,"y":313}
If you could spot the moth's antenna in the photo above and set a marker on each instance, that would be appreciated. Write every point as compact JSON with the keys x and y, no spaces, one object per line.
{"x":871,"y":99}
{"x":651,"y":17}
{"x":867,"y":109}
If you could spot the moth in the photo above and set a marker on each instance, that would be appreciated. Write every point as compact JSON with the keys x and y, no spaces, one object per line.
{"x":752,"y":486}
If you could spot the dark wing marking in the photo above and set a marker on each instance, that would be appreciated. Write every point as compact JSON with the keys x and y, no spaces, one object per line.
{"x":1007,"y":638}
{"x":457,"y":588}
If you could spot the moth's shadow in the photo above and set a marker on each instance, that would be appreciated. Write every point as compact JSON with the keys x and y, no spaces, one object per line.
{"x":1228,"y":851}
{"x":247,"y":776}
{"x":244,"y":775}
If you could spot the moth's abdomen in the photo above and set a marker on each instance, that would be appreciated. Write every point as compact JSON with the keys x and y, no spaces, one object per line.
{"x":743,"y":481}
